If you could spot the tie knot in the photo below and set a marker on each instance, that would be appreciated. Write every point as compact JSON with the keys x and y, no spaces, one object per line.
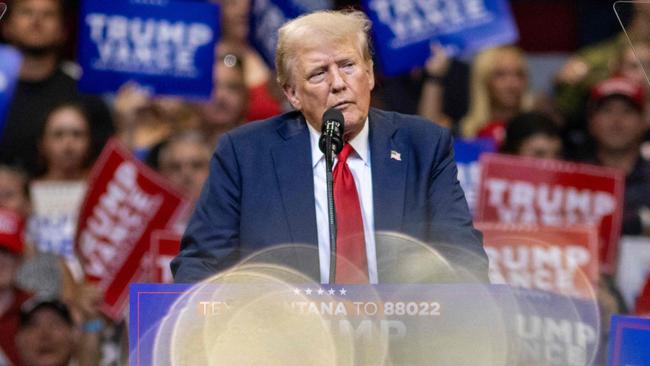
{"x":345,"y":152}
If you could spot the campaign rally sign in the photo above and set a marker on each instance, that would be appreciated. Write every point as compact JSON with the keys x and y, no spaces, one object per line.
{"x":166,"y":46}
{"x":467,"y":154}
{"x":562,"y":260}
{"x":267,"y":323}
{"x":53,"y":222}
{"x":404,"y":29}
{"x":10,"y":61}
{"x":165,"y":245}
{"x":629,"y":341}
{"x":516,"y":190}
{"x":126,"y":201}
{"x":267,"y":16}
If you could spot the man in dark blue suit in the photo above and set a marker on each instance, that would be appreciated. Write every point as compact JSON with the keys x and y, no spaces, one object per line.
{"x":266,"y":183}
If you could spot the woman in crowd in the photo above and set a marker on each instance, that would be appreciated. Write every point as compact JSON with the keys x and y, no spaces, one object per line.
{"x":498,"y":92}
{"x":65,"y":144}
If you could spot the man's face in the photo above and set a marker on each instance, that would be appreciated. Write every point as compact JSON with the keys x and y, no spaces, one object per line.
{"x":35,"y":25}
{"x":186,"y":165}
{"x":331,"y":75}
{"x":228,"y":103}
{"x":616,"y":125}
{"x":47,"y":339}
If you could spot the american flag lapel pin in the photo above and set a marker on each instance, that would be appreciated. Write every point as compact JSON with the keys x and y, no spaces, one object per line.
{"x":395,"y":155}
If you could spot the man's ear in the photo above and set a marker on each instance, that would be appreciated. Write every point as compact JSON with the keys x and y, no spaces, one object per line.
{"x":290,"y":93}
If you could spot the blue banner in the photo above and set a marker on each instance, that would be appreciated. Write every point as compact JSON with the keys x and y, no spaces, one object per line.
{"x":166,"y":46}
{"x":629,"y":341}
{"x":10,"y":61}
{"x":267,"y":16}
{"x":404,"y":29}
{"x":412,"y":324}
{"x":467,"y":154}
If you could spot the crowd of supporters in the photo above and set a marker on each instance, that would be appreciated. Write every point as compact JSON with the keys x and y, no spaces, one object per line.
{"x":597,"y":111}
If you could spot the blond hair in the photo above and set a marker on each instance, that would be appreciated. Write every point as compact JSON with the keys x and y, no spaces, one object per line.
{"x":480,"y":105}
{"x":316,"y":28}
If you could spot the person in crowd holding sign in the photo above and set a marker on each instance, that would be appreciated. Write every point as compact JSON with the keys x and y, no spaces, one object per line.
{"x":267,"y":184}
{"x":36,"y":28}
{"x":533,"y":134}
{"x":617,"y":125}
{"x":498,"y":92}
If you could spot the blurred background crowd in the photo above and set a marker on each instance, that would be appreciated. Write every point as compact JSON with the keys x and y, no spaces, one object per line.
{"x":572,"y":88}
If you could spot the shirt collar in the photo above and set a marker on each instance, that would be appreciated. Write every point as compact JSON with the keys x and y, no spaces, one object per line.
{"x":359,"y":143}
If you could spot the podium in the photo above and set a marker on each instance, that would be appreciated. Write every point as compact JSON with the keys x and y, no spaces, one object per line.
{"x":308,"y":324}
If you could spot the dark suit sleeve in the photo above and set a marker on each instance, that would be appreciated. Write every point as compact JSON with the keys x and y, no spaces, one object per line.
{"x":452,"y":226}
{"x":211,"y":239}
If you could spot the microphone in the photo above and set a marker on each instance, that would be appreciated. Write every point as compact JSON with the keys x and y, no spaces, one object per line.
{"x":331,"y":143}
{"x":332,"y":128}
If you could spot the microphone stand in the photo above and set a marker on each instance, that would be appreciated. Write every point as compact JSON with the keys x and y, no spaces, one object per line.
{"x":331,"y":210}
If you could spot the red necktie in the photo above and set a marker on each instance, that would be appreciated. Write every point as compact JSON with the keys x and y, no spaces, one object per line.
{"x":351,"y":262}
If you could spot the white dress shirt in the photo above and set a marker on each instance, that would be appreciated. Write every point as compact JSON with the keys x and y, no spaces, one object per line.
{"x":359,"y":164}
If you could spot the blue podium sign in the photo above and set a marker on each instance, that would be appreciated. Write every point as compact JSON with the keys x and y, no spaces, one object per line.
{"x":10,"y":61}
{"x":267,"y":16}
{"x":405,"y":324}
{"x":629,"y":341}
{"x":166,"y":46}
{"x":403,"y":29}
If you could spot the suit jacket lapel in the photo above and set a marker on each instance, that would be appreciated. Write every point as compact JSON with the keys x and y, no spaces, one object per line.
{"x":292,"y":160}
{"x":293,"y":169}
{"x":389,"y":166}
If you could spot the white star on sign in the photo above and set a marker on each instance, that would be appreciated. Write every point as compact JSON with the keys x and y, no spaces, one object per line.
{"x":308,"y":291}
{"x":343,"y":291}
{"x":331,"y":291}
{"x":296,"y":291}
{"x":321,"y":291}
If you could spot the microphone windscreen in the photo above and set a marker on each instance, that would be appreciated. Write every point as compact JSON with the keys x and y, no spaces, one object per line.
{"x":332,"y":114}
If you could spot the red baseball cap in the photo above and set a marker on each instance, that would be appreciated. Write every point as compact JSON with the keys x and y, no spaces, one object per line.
{"x":619,"y":87}
{"x":11,"y":231}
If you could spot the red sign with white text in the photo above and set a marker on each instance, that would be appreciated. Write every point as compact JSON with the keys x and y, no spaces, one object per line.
{"x":125,"y":202}
{"x":562,"y":260}
{"x":165,"y":245}
{"x":517,"y":190}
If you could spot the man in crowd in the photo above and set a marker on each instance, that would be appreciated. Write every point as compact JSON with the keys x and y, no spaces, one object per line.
{"x":617,"y":126}
{"x":36,"y":29}
{"x":267,"y":180}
